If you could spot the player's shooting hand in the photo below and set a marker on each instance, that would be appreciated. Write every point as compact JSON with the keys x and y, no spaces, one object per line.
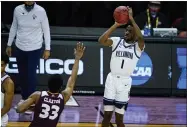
{"x":130,"y":12}
{"x":79,"y":51}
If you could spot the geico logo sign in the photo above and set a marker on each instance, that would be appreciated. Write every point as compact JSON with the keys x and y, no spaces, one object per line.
{"x":45,"y":66}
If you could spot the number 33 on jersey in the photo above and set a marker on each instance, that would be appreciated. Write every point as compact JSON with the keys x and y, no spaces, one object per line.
{"x":48,"y":109}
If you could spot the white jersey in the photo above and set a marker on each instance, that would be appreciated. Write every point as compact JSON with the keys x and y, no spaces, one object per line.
{"x":124,"y":57}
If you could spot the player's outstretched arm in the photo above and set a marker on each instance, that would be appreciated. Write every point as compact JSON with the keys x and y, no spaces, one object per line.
{"x":9,"y":94}
{"x":26,"y":105}
{"x":79,"y":51}
{"x":137,"y":30}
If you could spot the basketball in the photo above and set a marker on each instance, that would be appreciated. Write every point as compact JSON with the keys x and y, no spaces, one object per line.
{"x":121,"y":15}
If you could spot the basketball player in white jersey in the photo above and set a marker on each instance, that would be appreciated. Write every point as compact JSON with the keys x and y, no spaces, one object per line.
{"x":125,"y":55}
{"x":7,"y":91}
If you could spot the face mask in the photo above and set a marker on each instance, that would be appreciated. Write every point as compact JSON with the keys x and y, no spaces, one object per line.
{"x":153,"y":14}
{"x":153,"y":11}
{"x":29,"y":7}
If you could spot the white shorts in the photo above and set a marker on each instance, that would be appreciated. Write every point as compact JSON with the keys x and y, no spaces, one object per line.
{"x":116,"y":94}
{"x":4,"y":120}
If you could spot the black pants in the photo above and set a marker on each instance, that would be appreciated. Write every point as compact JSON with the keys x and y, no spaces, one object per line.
{"x":27,"y":62}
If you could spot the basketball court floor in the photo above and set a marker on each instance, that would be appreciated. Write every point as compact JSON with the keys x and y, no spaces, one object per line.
{"x":87,"y":111}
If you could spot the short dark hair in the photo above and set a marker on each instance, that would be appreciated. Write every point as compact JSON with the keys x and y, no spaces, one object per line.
{"x":126,"y":25}
{"x":5,"y":58}
{"x":129,"y":23}
{"x":55,"y":83}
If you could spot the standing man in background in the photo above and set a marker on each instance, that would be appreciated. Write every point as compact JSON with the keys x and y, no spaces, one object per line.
{"x":30,"y":24}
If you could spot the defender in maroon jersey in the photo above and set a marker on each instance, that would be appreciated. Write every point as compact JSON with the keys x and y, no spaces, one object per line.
{"x":50,"y":104}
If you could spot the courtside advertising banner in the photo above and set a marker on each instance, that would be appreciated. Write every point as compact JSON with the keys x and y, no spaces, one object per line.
{"x":154,"y":69}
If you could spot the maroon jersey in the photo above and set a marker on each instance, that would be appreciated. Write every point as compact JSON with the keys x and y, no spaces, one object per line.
{"x":48,"y":109}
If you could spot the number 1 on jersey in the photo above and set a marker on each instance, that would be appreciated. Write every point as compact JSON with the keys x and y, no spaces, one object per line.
{"x":122,"y":64}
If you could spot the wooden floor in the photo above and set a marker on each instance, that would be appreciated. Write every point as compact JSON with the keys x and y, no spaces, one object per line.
{"x":142,"y":112}
{"x":25,"y":124}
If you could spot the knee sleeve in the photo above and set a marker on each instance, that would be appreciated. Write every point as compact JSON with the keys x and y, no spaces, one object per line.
{"x":121,"y":108}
